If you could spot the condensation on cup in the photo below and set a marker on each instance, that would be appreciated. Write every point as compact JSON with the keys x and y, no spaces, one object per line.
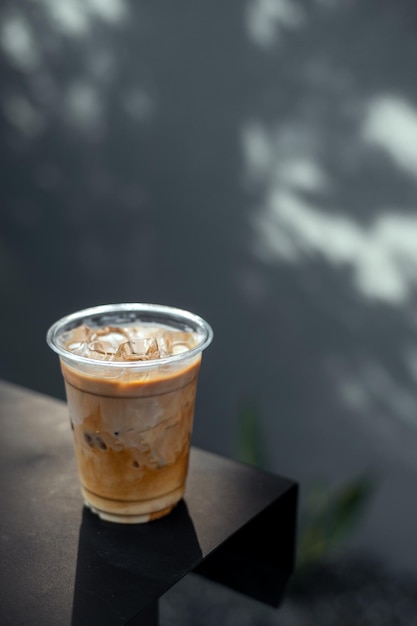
{"x":130,"y":373}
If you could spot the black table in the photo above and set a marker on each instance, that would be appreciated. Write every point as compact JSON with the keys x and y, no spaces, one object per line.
{"x":60,"y":564}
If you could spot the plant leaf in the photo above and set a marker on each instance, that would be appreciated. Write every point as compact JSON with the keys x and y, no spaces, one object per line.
{"x":250,"y":446}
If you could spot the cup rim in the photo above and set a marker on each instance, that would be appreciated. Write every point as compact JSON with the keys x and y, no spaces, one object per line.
{"x":197,"y":322}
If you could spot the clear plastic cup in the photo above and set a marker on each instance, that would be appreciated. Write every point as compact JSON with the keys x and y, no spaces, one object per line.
{"x":132,"y":420}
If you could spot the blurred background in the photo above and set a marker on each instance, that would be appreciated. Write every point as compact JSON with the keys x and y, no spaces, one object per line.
{"x":254,"y":161}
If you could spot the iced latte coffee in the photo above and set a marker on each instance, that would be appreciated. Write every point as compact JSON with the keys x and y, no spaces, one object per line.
{"x":130,"y":375}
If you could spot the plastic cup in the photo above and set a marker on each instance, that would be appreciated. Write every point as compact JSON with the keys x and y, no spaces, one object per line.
{"x":131,"y":420}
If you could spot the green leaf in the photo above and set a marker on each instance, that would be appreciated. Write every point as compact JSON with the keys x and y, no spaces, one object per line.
{"x":250,"y":442}
{"x":330,"y":518}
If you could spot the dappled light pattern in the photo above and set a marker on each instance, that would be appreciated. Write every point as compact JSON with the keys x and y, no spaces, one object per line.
{"x":18,"y":42}
{"x":76,"y":17}
{"x":290,"y":224}
{"x":266,"y":18}
{"x":383,"y":400}
{"x":269,"y":21}
{"x":329,"y":163}
{"x":21,"y":114}
{"x":83,"y":105}
{"x":79,"y":101}
{"x":390,"y":124}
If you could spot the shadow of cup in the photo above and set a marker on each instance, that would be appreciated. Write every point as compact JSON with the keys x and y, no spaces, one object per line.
{"x":123,"y":569}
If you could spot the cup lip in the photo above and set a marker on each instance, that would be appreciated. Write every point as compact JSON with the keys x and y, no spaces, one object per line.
{"x":162,"y":309}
